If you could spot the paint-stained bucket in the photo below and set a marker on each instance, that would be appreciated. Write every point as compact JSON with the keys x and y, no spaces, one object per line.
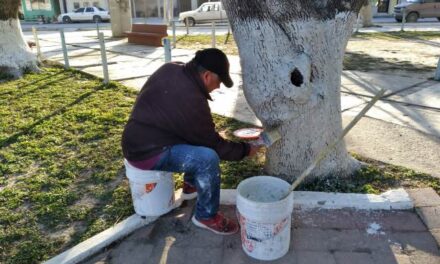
{"x":264,"y":219}
{"x":152,"y":191}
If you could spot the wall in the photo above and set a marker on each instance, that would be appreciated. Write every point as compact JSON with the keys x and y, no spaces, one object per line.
{"x":33,"y":9}
{"x":74,"y":4}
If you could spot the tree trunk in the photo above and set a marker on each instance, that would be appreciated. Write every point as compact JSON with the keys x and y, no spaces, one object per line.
{"x":120,"y":11}
{"x":367,"y":15}
{"x":15,"y":55}
{"x":291,"y":54}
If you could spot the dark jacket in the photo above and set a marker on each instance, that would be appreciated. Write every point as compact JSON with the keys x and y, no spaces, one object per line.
{"x":172,"y":108}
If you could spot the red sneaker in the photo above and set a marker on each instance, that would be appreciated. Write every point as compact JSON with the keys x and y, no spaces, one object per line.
{"x":189,"y":191}
{"x":218,"y":224}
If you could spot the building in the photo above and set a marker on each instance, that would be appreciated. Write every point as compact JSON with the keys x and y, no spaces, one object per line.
{"x":384,"y":7}
{"x":71,"y":5}
{"x":41,"y":10}
{"x":155,"y":8}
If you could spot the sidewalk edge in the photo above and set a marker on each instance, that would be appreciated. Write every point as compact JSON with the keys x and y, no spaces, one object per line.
{"x":391,"y":200}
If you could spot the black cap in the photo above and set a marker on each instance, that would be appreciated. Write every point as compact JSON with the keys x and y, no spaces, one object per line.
{"x":215,"y":60}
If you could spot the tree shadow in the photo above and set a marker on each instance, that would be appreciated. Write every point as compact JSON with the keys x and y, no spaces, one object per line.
{"x":363,"y":62}
{"x":13,"y":138}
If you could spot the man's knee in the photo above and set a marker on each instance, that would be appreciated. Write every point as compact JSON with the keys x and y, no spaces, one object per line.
{"x":209,"y":156}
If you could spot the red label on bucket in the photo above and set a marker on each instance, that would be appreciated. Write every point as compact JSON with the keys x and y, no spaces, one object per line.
{"x":149,"y":187}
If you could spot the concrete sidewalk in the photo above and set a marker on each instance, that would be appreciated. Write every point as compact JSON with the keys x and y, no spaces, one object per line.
{"x":402,"y":129}
{"x":318,"y":236}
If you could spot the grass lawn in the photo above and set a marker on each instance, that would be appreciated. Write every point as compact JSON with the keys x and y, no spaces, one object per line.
{"x":61,"y":172}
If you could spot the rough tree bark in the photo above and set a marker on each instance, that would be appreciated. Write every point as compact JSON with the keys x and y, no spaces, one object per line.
{"x":15,"y":55}
{"x":291,"y":55}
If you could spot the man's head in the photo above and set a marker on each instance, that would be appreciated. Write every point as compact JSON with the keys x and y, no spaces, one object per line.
{"x":213,"y":67}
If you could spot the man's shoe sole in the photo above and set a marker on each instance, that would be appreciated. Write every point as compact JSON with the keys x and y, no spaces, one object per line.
{"x":189,"y":196}
{"x":201,"y":225}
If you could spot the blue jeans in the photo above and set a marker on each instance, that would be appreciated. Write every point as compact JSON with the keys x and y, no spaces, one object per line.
{"x":201,"y":166}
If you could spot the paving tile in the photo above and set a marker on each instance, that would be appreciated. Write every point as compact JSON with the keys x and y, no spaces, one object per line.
{"x":390,"y":258}
{"x":172,"y":255}
{"x":238,"y":257}
{"x":424,"y":197}
{"x":403,"y":221}
{"x":420,"y":257}
{"x":142,"y":234}
{"x":198,"y":237}
{"x":436,"y":234}
{"x":313,"y":257}
{"x":130,"y":252}
{"x":352,"y":257}
{"x":415,"y":241}
{"x":400,"y":220}
{"x":309,"y":239}
{"x":203,"y":255}
{"x":347,"y":240}
{"x":325,"y":219}
{"x":101,"y":258}
{"x":364,"y":218}
{"x":430,"y":216}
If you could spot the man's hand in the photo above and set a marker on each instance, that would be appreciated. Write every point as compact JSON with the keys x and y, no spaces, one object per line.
{"x":254,"y":149}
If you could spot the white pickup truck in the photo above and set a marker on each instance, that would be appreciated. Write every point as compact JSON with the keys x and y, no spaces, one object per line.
{"x":207,"y":12}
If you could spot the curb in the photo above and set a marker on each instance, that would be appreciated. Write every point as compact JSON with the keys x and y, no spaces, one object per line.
{"x":391,"y":200}
{"x":397,"y":199}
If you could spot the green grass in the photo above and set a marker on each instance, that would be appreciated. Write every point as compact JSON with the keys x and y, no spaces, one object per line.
{"x":399,"y":35}
{"x":61,"y":173}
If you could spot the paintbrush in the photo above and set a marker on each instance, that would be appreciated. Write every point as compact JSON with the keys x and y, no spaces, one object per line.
{"x":268,"y":137}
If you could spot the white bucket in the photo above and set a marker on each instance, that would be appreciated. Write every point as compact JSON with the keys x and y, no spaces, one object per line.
{"x":152,"y":191}
{"x":264,"y":219}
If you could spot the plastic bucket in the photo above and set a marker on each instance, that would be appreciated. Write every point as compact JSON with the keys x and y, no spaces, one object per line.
{"x":264,"y":219}
{"x":152,"y":191}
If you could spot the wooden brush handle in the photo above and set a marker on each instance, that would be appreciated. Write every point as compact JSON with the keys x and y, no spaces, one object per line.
{"x":327,"y":150}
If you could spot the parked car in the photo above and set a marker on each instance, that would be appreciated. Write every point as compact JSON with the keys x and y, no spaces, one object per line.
{"x":207,"y":12}
{"x":415,"y":9}
{"x":95,"y":14}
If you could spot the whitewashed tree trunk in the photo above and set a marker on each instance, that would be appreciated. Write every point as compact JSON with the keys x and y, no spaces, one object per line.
{"x":291,"y":54}
{"x":15,"y":55}
{"x":367,"y":15}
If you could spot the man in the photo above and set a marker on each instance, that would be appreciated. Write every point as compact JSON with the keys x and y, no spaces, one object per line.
{"x":171,"y":129}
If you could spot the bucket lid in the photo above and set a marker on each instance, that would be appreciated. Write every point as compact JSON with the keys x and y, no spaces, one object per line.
{"x":248,"y":133}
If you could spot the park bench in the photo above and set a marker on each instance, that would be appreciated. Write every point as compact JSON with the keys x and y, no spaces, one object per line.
{"x":147,"y":34}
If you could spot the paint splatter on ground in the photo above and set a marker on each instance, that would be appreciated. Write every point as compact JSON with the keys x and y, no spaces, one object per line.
{"x":374,"y":229}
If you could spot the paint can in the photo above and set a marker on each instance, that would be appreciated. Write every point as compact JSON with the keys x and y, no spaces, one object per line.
{"x":152,"y":191}
{"x":265,"y":220}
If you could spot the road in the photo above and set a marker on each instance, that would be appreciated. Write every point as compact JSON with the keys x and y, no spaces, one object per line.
{"x":381,"y":24}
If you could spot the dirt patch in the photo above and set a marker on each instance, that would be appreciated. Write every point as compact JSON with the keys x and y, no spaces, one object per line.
{"x":376,"y":54}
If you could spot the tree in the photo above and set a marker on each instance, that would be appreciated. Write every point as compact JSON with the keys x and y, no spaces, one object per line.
{"x":291,"y":55}
{"x":15,"y":55}
{"x":367,"y":15}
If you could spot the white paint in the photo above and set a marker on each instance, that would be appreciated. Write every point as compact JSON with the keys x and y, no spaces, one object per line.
{"x":373,"y":229}
{"x":15,"y":55}
{"x":309,"y":115}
